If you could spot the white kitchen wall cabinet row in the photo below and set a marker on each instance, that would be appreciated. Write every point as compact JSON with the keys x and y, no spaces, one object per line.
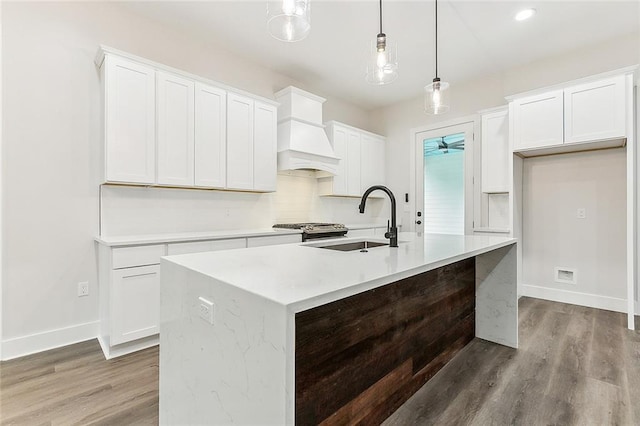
{"x":129,"y":282}
{"x":576,"y":114}
{"x":362,"y":161}
{"x":166,"y":127}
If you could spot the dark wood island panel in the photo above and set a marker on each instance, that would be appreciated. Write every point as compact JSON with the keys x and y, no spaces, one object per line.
{"x":358,"y":359}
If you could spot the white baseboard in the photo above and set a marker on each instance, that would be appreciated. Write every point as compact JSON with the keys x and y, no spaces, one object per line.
{"x":27,"y":345}
{"x":127,"y":348}
{"x":574,"y":298}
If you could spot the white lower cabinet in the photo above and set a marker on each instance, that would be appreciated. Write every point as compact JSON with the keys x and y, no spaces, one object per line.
{"x":273,"y":240}
{"x":129,"y":282}
{"x":202,"y":246}
{"x":135,"y":296}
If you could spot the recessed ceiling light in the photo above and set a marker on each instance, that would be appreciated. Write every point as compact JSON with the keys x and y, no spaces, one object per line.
{"x":525,"y":14}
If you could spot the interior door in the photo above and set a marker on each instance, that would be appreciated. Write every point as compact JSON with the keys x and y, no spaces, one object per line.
{"x":434,"y":208}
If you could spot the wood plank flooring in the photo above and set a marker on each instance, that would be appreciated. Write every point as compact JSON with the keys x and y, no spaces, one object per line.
{"x":575,"y":366}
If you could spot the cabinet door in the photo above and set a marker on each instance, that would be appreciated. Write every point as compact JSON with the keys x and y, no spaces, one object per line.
{"x":135,"y":303}
{"x":339,"y":141}
{"x":175,"y":130}
{"x":353,"y":163}
{"x":239,"y":142}
{"x":495,"y":152}
{"x":130,"y":117}
{"x":265,"y":140}
{"x":210,"y":136}
{"x":537,"y":121}
{"x":372,"y":162}
{"x":202,"y":246}
{"x":595,"y":111}
{"x":273,"y":240}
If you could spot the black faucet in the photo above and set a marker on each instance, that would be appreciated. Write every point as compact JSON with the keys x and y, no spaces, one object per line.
{"x":392,"y":233}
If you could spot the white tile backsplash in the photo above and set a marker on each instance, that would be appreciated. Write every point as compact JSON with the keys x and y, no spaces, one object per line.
{"x":145,"y":210}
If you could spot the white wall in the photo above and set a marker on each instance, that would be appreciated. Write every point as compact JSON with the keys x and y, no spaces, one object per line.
{"x":554,"y":187}
{"x":51,"y":154}
{"x":136,"y":211}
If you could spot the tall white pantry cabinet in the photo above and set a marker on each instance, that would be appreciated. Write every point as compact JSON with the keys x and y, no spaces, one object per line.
{"x":166,"y":127}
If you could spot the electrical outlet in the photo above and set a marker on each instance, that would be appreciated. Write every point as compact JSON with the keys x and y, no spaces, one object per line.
{"x":83,"y":289}
{"x":582,"y":213}
{"x":205,"y":310}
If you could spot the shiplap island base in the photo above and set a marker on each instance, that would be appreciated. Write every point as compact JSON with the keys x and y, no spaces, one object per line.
{"x":301,"y":334}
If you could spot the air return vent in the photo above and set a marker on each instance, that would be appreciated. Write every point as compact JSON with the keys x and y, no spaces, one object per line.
{"x":566,"y":275}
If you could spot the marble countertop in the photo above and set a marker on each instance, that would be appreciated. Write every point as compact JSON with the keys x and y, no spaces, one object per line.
{"x":130,"y":240}
{"x":301,"y":276}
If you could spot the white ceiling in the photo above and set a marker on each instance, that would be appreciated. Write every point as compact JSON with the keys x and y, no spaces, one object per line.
{"x":475,"y":38}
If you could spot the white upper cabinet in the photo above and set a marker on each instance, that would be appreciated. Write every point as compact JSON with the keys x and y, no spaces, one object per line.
{"x":239,"y":142}
{"x":372,"y":169}
{"x":595,"y":110}
{"x":265,"y":140}
{"x":537,"y":120}
{"x":168,"y":128}
{"x":590,"y":114}
{"x":130,"y":109}
{"x":354,"y":163}
{"x":338,"y":136}
{"x":495,"y":151}
{"x":175,"y":112}
{"x":210,"y":136}
{"x":361,"y":161}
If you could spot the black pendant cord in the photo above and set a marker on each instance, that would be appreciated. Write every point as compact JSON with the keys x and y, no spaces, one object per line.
{"x":436,"y":1}
{"x":380,"y":16}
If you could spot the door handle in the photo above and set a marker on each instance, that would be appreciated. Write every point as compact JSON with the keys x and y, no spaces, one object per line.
{"x":418,"y":222}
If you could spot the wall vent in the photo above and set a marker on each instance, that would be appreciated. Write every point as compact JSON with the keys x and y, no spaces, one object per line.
{"x":565,"y":275}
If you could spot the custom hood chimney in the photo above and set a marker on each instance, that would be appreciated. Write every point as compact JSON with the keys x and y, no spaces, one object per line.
{"x":302,"y":142}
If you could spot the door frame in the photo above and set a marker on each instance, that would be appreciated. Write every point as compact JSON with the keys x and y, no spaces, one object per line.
{"x":472,"y":164}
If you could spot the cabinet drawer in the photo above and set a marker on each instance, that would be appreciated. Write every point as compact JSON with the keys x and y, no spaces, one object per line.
{"x":202,"y":246}
{"x":127,"y":257}
{"x":273,"y":240}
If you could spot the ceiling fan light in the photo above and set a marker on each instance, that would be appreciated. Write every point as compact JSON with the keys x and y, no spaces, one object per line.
{"x":289,"y":20}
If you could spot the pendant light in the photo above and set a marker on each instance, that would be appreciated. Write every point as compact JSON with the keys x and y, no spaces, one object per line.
{"x":436,"y":95}
{"x":382,"y":67}
{"x":289,"y":20}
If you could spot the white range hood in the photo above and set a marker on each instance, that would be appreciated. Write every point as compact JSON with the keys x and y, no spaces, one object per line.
{"x":302,"y":141}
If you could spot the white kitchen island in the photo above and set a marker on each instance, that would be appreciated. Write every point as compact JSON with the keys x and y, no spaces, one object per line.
{"x":242,"y":368}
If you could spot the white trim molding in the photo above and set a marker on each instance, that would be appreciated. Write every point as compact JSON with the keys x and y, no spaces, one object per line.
{"x":575,"y":298}
{"x":1,"y":183}
{"x":34,"y":343}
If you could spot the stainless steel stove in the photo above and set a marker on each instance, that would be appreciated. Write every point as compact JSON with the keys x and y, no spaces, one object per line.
{"x":315,"y":231}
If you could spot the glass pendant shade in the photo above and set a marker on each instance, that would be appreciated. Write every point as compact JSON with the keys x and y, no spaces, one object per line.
{"x":382,"y":66}
{"x":436,"y":97}
{"x":289,"y":20}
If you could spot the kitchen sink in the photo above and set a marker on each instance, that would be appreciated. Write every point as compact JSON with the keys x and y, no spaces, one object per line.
{"x":355,"y":245}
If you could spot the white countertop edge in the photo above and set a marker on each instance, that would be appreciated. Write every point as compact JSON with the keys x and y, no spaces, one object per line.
{"x":134,"y":240}
{"x":323,"y":299}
